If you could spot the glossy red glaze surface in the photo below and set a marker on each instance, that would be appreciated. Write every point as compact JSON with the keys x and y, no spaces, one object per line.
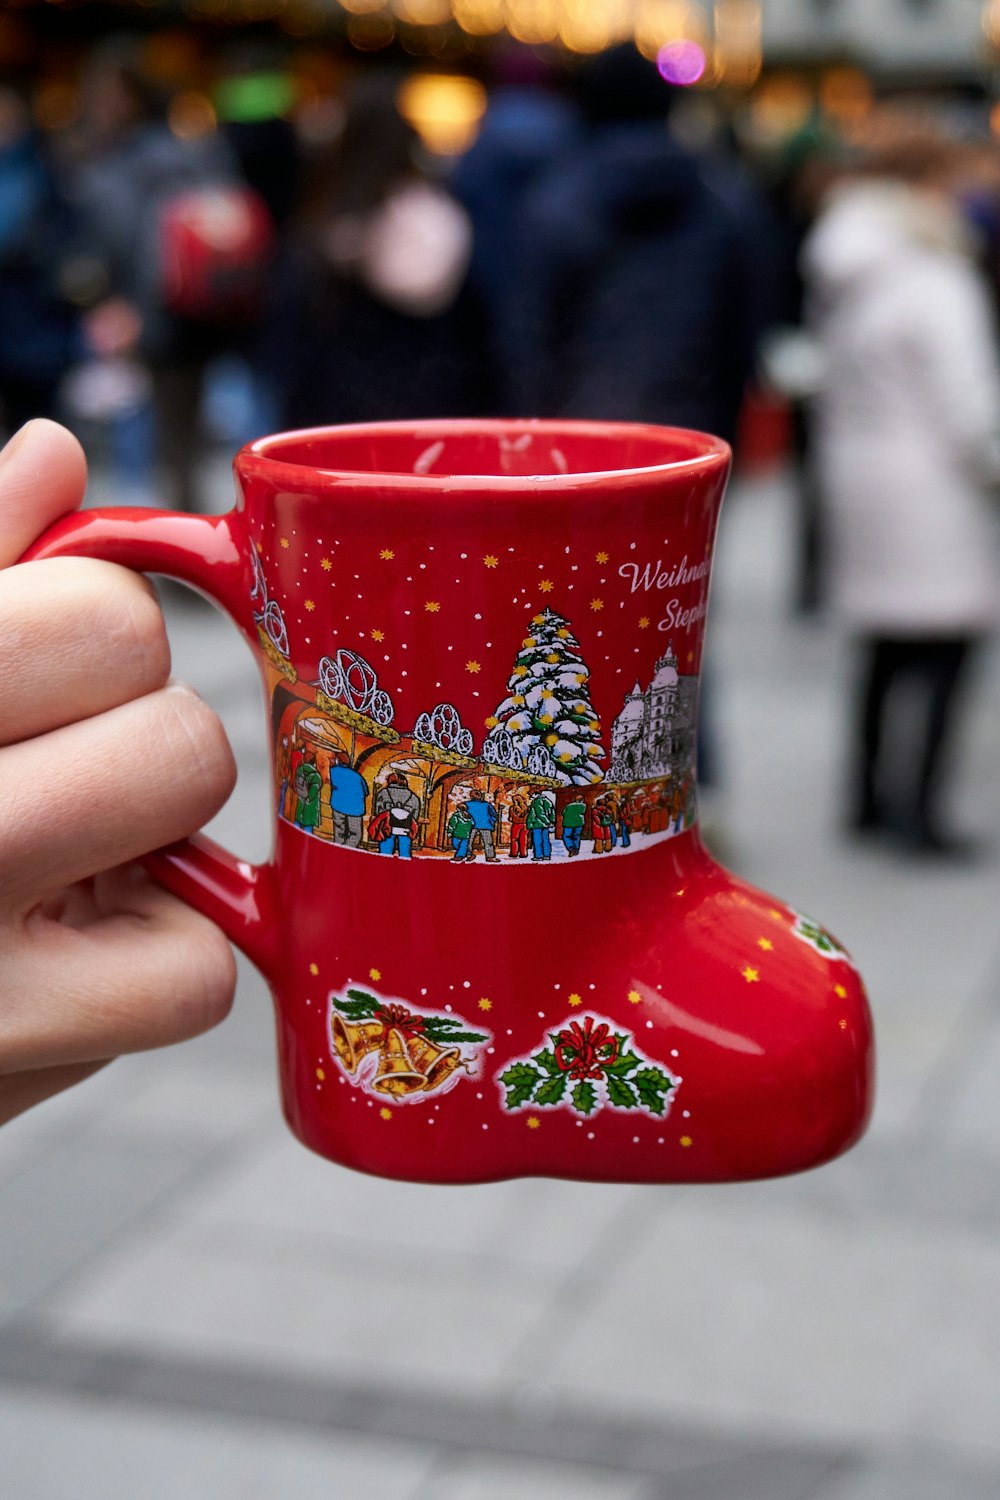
{"x":636,"y":1015}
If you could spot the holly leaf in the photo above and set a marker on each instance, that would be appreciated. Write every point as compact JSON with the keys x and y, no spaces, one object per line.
{"x":584,"y":1097}
{"x":621,"y":1093}
{"x":520,"y":1080}
{"x":547,"y":1061}
{"x":652,"y":1085}
{"x":552,"y":1089}
{"x":622,"y":1064}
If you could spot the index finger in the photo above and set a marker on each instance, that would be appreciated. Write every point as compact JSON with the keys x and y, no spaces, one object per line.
{"x":43,"y":475}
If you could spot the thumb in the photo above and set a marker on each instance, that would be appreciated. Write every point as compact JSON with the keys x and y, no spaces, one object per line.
{"x":43,"y":474}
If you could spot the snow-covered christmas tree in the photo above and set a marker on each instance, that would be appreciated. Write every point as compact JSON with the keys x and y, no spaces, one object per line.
{"x":548,"y":703}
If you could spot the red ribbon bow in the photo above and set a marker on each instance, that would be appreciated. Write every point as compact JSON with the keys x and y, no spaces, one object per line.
{"x":398,"y":1018}
{"x":584,"y":1051}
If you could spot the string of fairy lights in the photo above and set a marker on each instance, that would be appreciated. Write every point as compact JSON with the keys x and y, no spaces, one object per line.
{"x":712,"y":40}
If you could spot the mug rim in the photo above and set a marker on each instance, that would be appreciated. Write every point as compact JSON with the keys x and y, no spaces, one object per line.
{"x":257,"y":457}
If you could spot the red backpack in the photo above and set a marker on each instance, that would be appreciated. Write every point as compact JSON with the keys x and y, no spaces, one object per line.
{"x":215,"y":249}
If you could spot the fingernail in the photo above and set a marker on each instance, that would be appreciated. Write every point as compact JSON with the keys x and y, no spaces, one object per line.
{"x":175,"y":685}
{"x":11,"y":446}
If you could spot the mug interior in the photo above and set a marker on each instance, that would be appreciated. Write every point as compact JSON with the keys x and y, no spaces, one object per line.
{"x":490,"y":449}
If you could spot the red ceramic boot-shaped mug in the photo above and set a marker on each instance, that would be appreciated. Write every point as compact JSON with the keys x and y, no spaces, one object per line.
{"x":496,"y":943}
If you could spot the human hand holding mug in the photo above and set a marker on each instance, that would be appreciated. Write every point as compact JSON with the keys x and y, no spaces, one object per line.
{"x":102,"y":758}
{"x":496,"y":943}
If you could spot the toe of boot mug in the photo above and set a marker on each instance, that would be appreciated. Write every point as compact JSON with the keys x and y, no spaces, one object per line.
{"x":496,"y":943}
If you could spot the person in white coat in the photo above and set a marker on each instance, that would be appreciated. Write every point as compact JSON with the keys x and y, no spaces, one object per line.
{"x":908,"y":449}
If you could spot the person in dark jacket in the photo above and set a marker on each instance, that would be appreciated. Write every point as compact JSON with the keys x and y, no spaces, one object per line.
{"x":373,"y":316}
{"x":39,"y":328}
{"x":638,"y":268}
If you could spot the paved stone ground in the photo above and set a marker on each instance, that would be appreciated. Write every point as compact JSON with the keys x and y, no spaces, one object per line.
{"x":191,"y":1305}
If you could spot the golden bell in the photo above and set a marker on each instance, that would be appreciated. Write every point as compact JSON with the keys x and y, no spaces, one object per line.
{"x":396,"y":1073}
{"x":353,"y":1039}
{"x":436,"y":1063}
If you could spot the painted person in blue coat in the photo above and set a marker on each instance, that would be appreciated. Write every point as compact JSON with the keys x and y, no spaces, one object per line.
{"x":484,"y":818}
{"x":348,"y":795}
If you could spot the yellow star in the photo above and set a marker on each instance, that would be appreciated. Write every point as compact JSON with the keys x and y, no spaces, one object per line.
{"x":644,"y":623}
{"x":432,"y":606}
{"x":634,"y":997}
{"x":552,"y":659}
{"x":840,"y":992}
{"x":375,"y":974}
{"x":533,"y":1122}
{"x":472,"y":666}
{"x":551,"y":739}
{"x":490,"y":560}
{"x":765,"y":943}
{"x":545,"y":718}
{"x":565,"y":755}
{"x":538,"y":620}
{"x":491,"y":722}
{"x":573,"y":1000}
{"x":485,"y":1004}
{"x":314,"y":968}
{"x":320,"y":1074}
{"x":528,"y":641}
{"x":602,"y":557}
{"x":779,"y":916}
{"x":310,"y":605}
{"x":597,"y":603}
{"x":518,"y":700}
{"x":285,"y":542}
{"x":385,"y":1114}
{"x":378,"y":635}
{"x":520,"y":671}
{"x":387,"y":554}
{"x":563,"y":634}
{"x":593,"y":726}
{"x":750,"y":975}
{"x":325,"y":564}
{"x":546,"y":585}
{"x":686,"y":1141}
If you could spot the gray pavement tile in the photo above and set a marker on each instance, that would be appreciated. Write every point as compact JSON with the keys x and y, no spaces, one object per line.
{"x":485,"y":1477}
{"x":525,"y":1430}
{"x":303,"y":1303}
{"x":972,"y":1115}
{"x":913,"y":1477}
{"x":75,"y":1200}
{"x":885,"y":1178}
{"x":75,"y":1446}
{"x":531,"y":1223}
{"x":781,"y":1475}
{"x":739,"y":1312}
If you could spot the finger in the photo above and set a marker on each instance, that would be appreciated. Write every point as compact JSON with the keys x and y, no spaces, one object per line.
{"x":149,"y":973}
{"x":43,"y":474}
{"x":76,"y":638}
{"x":21,"y":1091}
{"x":96,"y":794}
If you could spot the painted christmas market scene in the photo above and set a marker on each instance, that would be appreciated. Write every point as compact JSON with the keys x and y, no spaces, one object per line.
{"x":544,"y":780}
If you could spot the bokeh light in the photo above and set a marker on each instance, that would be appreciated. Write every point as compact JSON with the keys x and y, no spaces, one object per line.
{"x":682,"y":62}
{"x":445,"y":109}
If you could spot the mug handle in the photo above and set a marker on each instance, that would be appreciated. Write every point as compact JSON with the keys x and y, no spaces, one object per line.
{"x":200,"y":551}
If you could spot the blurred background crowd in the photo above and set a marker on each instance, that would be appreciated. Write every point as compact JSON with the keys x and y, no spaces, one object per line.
{"x":229,"y":216}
